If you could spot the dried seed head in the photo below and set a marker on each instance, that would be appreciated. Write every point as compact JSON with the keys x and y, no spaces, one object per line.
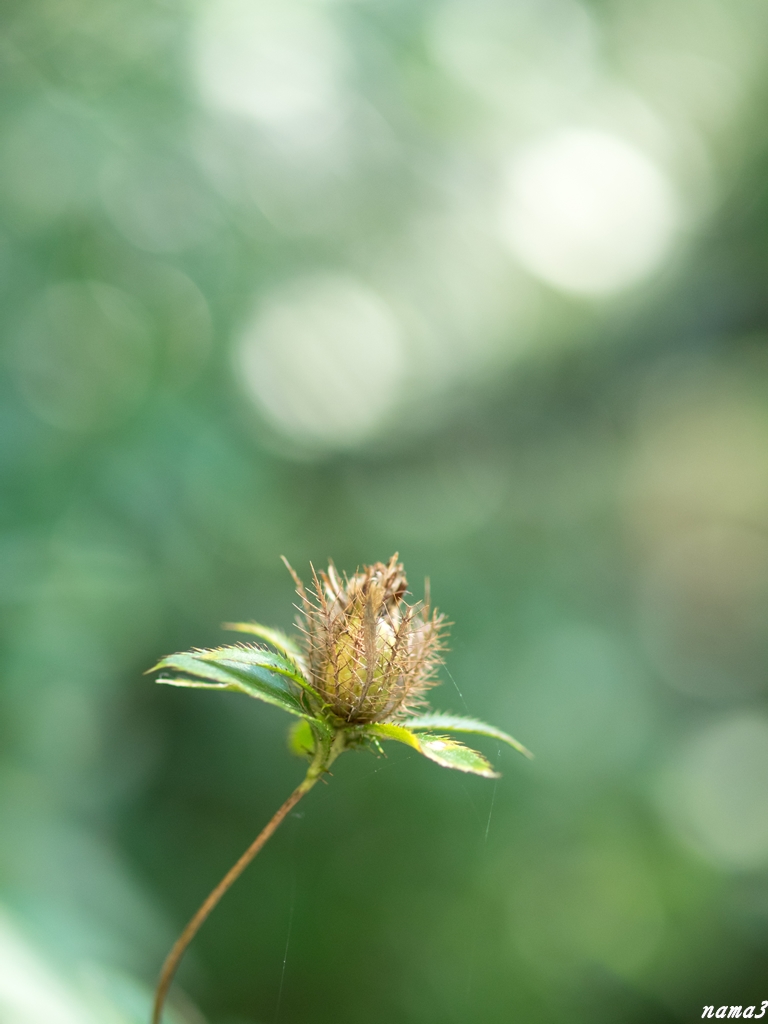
{"x":370,"y":655}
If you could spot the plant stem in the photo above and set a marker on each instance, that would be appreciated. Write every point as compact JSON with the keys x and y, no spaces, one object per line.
{"x":173,"y":959}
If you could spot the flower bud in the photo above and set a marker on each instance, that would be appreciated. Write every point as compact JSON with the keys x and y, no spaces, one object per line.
{"x":369,"y":655}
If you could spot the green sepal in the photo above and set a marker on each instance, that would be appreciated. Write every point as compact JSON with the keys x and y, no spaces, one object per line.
{"x":441,"y":749}
{"x":279,"y":640}
{"x":455,"y":723}
{"x":253,"y":680}
{"x":301,"y":739}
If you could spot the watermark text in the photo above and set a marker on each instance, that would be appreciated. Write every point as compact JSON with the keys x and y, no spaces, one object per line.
{"x":736,"y":1011}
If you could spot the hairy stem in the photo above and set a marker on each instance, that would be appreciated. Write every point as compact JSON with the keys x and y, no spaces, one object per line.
{"x":172,"y":961}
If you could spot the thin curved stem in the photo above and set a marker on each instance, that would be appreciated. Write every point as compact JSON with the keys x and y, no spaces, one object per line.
{"x":173,"y":959}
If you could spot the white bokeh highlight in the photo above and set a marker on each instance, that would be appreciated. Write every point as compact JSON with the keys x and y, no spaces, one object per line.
{"x":323,"y":361}
{"x":268,"y":62}
{"x":587,"y":212}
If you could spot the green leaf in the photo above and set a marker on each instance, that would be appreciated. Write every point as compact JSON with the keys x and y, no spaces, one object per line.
{"x":279,"y":640}
{"x":444,"y":751}
{"x":388,"y":731}
{"x":454,"y":723}
{"x":249,"y":655}
{"x":253,"y":680}
{"x":301,"y":739}
{"x":452,"y":754}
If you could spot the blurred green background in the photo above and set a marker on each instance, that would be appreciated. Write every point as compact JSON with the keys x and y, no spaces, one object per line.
{"x":480,"y":281}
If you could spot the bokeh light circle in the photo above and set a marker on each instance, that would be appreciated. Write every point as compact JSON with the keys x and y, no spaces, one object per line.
{"x":323,"y":361}
{"x":271,"y":63}
{"x":587,"y":212}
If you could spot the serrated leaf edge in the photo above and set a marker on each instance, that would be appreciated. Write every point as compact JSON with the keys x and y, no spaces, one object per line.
{"x":289,"y":668}
{"x":276,"y":637}
{"x":398,"y":732}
